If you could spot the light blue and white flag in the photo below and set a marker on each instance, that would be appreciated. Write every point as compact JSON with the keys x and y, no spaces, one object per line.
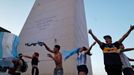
{"x":68,"y":53}
{"x":8,"y":45}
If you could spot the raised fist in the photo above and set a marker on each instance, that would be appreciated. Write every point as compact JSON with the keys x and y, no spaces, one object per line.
{"x":90,"y":31}
{"x":132,"y":27}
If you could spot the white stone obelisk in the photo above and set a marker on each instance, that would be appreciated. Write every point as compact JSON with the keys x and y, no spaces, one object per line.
{"x":55,"y":22}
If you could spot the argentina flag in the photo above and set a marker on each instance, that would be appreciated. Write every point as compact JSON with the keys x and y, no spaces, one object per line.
{"x":68,"y":53}
{"x":8,"y":45}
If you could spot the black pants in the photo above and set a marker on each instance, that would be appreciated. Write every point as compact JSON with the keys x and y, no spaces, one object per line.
{"x":35,"y":71}
{"x":82,"y":68}
{"x":18,"y":74}
{"x":15,"y":74}
{"x":128,"y":71}
{"x":113,"y":69}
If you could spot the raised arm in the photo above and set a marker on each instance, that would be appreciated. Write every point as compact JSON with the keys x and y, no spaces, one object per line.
{"x":94,"y":37}
{"x":47,"y":48}
{"x":91,"y":47}
{"x":127,"y":49}
{"x":27,"y":56}
{"x":126,"y":34}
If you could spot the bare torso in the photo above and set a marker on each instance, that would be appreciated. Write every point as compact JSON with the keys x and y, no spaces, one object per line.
{"x":58,"y":60}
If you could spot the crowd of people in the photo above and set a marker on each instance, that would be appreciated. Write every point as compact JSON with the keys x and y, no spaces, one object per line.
{"x":115,"y":60}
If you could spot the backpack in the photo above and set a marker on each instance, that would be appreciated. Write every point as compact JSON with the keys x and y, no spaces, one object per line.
{"x":24,"y":66}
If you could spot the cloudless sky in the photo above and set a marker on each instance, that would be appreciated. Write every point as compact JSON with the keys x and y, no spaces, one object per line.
{"x":112,"y":17}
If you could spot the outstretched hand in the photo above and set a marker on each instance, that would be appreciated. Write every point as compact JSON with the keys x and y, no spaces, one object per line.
{"x":90,"y":31}
{"x":132,"y":27}
{"x":40,"y":43}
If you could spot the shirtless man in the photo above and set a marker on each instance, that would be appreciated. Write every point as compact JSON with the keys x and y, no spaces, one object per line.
{"x":57,"y":57}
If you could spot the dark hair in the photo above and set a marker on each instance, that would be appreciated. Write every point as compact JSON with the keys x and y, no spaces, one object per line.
{"x":107,"y":36}
{"x":20,"y":54}
{"x":57,"y":46}
{"x":84,"y":48}
{"x":36,"y":53}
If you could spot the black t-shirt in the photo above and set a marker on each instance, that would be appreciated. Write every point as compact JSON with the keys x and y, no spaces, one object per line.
{"x":34,"y":61}
{"x":111,"y":53}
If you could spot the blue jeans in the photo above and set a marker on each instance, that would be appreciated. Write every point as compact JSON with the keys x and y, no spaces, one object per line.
{"x":58,"y":71}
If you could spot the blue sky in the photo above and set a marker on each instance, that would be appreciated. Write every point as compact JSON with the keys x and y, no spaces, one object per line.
{"x":103,"y":16}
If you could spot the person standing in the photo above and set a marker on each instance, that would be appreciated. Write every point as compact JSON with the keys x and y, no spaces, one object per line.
{"x":20,"y":63}
{"x":111,"y":52}
{"x":126,"y":68}
{"x":34,"y":63}
{"x":82,"y":53}
{"x":82,"y":59}
{"x":57,"y":58}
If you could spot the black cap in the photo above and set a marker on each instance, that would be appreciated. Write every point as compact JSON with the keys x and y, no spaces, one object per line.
{"x":107,"y":36}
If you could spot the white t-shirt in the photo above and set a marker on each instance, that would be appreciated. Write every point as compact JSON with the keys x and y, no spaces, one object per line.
{"x":81,"y":58}
{"x":125,"y":61}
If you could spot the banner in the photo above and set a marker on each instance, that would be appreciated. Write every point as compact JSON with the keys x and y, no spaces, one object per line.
{"x":8,"y":45}
{"x":8,"y":48}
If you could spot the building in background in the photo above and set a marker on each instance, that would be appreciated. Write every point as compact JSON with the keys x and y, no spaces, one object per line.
{"x":4,"y":30}
{"x":55,"y":22}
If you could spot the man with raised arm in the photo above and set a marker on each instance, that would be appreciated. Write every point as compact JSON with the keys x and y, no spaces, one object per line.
{"x":111,"y":52}
{"x":57,"y":57}
{"x":82,"y":59}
